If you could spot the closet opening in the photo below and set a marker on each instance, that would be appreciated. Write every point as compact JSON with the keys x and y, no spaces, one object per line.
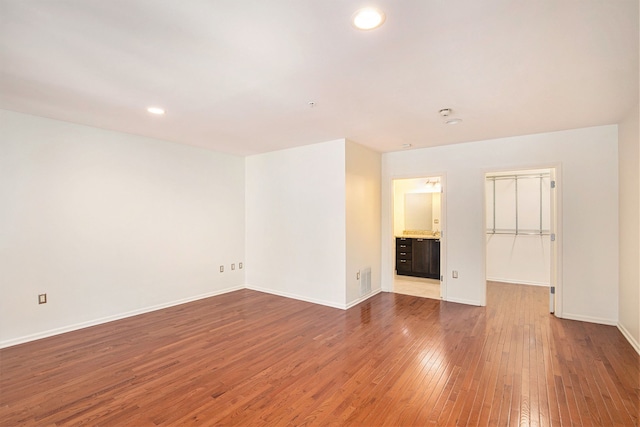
{"x":521,"y":230}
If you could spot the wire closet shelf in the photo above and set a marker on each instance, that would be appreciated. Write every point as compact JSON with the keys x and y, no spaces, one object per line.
{"x":518,"y":230}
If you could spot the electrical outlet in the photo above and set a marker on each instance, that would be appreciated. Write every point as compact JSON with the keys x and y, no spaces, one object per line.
{"x":42,"y":299}
{"x":233,"y":266}
{"x":240,"y":265}
{"x":222,"y":269}
{"x":454,"y":274}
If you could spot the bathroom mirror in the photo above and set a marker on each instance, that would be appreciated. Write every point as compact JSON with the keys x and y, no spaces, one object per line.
{"x":416,"y":205}
{"x":418,"y":211}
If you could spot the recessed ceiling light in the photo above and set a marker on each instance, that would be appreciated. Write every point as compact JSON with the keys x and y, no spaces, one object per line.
{"x":368,"y":19}
{"x":453,"y":121}
{"x":407,"y":145}
{"x":156,"y":110}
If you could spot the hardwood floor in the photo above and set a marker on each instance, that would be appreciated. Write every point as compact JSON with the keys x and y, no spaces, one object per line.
{"x":248,"y":358}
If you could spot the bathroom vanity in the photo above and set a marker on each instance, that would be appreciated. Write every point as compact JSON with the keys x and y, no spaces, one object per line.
{"x":418,"y":256}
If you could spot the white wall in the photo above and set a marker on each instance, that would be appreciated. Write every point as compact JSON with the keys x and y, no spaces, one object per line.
{"x":629,"y":158}
{"x":363,"y":171}
{"x":589,"y":249}
{"x":519,"y":259}
{"x":295,"y":223}
{"x":109,"y":225}
{"x":400,"y":188}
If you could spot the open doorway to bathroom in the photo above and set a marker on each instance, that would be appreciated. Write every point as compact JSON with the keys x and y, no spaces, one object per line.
{"x":417,"y":229}
{"x":521,"y":232}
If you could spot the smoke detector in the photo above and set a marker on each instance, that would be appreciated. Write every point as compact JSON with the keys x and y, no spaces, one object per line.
{"x":445,"y":113}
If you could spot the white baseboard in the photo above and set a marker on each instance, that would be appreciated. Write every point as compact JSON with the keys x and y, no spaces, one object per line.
{"x":517,"y":282}
{"x":635,"y":344}
{"x":590,"y":319}
{"x":363,"y":298}
{"x":77,"y":326}
{"x":298,"y":297}
{"x":82,"y":325}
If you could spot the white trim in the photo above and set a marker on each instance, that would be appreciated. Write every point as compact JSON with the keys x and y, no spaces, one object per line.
{"x":635,"y":344}
{"x":102,"y":320}
{"x":297,"y":297}
{"x":556,"y":227}
{"x":557,"y":250}
{"x":517,"y":282}
{"x":590,"y":319}
{"x":387,"y":240}
{"x":390,"y":238}
{"x":444,"y":239}
{"x":363,"y":298}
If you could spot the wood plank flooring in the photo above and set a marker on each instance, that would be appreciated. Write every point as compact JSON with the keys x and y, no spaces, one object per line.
{"x":250,"y":359}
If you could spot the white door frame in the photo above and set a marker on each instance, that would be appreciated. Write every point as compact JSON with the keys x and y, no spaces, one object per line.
{"x":443,"y":228}
{"x":555,"y":252}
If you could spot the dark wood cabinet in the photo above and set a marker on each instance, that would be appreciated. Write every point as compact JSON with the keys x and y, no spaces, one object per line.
{"x":418,"y":257}
{"x":434,"y":256}
{"x":422,"y":254}
{"x":404,"y":255}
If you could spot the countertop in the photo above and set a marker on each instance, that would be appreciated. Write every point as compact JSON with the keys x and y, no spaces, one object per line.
{"x":420,"y":236}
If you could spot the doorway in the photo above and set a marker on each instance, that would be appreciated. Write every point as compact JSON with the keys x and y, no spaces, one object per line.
{"x":417,"y":234}
{"x":521,"y":229}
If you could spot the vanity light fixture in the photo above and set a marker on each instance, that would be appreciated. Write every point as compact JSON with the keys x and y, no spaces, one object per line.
{"x":368,"y":18}
{"x":156,"y":110}
{"x":433,"y":186}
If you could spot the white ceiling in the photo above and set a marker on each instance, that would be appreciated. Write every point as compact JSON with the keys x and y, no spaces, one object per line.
{"x":236,"y":76}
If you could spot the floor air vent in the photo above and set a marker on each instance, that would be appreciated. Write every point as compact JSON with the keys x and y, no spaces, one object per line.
{"x":365,"y":281}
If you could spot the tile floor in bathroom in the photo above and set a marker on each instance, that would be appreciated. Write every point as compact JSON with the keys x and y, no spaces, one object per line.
{"x":417,"y":286}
